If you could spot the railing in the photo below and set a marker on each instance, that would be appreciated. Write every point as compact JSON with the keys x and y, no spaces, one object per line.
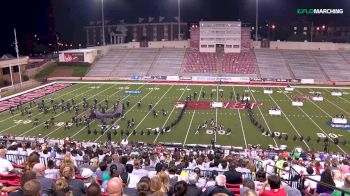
{"x":209,"y":173}
{"x":294,"y":178}
{"x":313,"y":192}
{"x":22,"y":159}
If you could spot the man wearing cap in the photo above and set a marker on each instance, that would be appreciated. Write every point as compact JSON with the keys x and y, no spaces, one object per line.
{"x":88,"y":176}
{"x":46,"y":183}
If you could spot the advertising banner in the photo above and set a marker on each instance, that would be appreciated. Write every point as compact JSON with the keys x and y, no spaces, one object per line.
{"x":74,"y":57}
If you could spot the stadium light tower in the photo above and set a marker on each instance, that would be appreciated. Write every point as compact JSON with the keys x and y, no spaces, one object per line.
{"x":179,"y":15}
{"x":103,"y":24}
{"x":256,"y":19}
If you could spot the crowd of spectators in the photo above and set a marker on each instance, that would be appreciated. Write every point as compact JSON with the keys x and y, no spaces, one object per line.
{"x":138,"y":169}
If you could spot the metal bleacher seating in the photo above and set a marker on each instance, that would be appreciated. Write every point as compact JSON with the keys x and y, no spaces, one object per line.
{"x":168,"y":62}
{"x":303,"y":65}
{"x":333,"y":63}
{"x":271,"y":64}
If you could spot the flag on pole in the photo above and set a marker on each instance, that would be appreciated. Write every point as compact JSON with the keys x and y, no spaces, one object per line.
{"x":161,"y":18}
{"x":17,"y":52}
{"x":150,"y":19}
{"x":141,"y":20}
{"x":176,"y":18}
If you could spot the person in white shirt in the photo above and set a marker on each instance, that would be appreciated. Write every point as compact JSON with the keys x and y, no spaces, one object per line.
{"x":5,"y":165}
{"x":50,"y":171}
{"x":131,"y":179}
{"x":138,"y":170}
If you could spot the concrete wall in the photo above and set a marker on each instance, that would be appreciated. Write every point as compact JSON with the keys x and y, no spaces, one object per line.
{"x":169,"y":44}
{"x":305,"y":45}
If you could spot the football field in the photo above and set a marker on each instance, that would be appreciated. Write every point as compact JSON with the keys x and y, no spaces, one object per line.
{"x":310,"y":121}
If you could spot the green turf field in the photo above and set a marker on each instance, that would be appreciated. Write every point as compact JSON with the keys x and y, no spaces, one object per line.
{"x":309,"y":120}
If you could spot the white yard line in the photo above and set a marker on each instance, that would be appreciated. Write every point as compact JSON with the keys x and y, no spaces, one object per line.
{"x":289,"y":121}
{"x":125,"y":113}
{"x":166,"y":121}
{"x":38,"y":115}
{"x":315,"y":122}
{"x":337,"y":105}
{"x":41,"y":98}
{"x":161,"y":98}
{"x":262,"y":115}
{"x":194,"y":112}
{"x":240,"y":119}
{"x":85,"y":111}
{"x":63,"y":111}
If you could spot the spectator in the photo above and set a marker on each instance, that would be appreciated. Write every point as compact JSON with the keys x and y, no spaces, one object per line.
{"x":86,"y":164}
{"x":311,"y":185}
{"x":102,"y":170}
{"x":346,"y":187}
{"x":5,"y":165}
{"x":275,"y":187}
{"x":26,"y":176}
{"x":260,"y":179}
{"x":180,"y":188}
{"x":138,"y":170}
{"x":220,"y":187}
{"x":75,"y":185}
{"x":250,"y":193}
{"x":32,"y":188}
{"x":113,"y":173}
{"x":130,"y":179}
{"x":115,"y":187}
{"x":32,"y":160}
{"x":233,"y":177}
{"x":120,"y":166}
{"x":247,"y":185}
{"x":93,"y":190}
{"x":192,"y":189}
{"x":326,"y":177}
{"x":156,"y":184}
{"x":61,"y":188}
{"x":338,"y":178}
{"x":51,"y":172}
{"x":88,"y":176}
{"x":143,"y":186}
{"x":164,"y":178}
{"x":46,"y":183}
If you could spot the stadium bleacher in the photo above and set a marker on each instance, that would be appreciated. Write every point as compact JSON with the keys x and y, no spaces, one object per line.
{"x":272,"y":64}
{"x":335,"y":65}
{"x":199,"y":62}
{"x":303,"y":65}
{"x":169,"y":62}
{"x":239,"y":63}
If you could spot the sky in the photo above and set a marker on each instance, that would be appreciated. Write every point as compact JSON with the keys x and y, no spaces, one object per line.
{"x":69,"y":17}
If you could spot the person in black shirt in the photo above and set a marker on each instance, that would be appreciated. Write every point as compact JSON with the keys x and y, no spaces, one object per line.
{"x":232,"y":176}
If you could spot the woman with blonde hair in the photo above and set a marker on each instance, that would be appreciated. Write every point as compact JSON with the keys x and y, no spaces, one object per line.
{"x":76,"y":186}
{"x":156,"y":184}
{"x":164,"y":178}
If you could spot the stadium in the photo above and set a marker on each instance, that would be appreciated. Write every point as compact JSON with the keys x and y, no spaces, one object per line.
{"x":206,"y":87}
